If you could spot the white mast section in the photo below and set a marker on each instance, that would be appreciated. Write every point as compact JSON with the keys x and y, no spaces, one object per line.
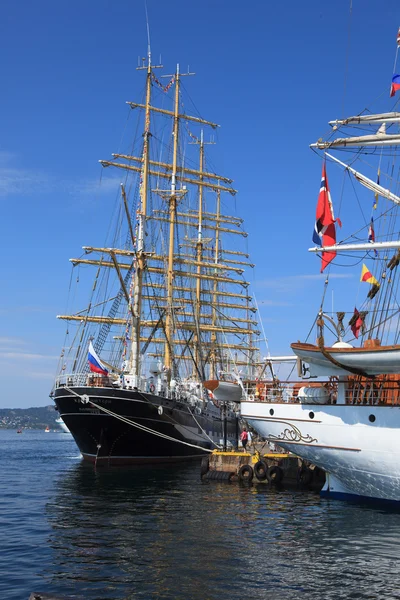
{"x":357,"y":247}
{"x":368,"y":183}
{"x":378,"y":139}
{"x":393,"y":117}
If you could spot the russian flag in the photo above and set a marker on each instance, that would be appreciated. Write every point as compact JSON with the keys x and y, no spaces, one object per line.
{"x":395,"y":85}
{"x":95,"y":364}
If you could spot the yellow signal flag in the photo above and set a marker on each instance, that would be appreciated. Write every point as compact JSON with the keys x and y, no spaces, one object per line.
{"x":367,"y":276}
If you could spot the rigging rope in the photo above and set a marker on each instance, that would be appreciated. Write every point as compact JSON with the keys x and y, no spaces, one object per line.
{"x":138,"y":426}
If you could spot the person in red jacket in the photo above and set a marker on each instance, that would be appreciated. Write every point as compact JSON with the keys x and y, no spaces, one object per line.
{"x":244,"y":438}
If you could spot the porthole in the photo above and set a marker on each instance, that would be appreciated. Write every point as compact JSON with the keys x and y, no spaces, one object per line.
{"x":311,"y":415}
{"x":271,"y":411}
{"x":372,"y":418}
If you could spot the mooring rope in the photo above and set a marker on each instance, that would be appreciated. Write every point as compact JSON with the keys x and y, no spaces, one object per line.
{"x":205,"y":433}
{"x":138,"y":426}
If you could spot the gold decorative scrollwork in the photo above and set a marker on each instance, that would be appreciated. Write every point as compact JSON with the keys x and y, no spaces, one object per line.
{"x":292,"y":434}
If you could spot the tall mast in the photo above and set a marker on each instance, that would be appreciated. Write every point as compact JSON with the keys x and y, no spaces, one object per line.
{"x":199,"y":258}
{"x":213,"y":358}
{"x":172,"y":219}
{"x":134,"y":366}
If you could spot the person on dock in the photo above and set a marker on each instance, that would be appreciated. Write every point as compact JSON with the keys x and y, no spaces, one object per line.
{"x":244,"y":436}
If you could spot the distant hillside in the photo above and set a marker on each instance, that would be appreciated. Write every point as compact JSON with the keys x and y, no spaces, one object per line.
{"x":37,"y":417}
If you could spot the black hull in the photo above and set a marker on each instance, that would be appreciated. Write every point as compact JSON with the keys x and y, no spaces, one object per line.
{"x":107,"y":439}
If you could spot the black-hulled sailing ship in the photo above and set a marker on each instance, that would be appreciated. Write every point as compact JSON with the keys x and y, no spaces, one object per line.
{"x":169,"y":309}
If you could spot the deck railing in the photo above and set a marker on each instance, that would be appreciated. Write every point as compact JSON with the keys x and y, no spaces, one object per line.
{"x":357,"y":393}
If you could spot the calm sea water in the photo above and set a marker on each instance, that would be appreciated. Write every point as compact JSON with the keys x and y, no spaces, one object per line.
{"x":69,"y":530}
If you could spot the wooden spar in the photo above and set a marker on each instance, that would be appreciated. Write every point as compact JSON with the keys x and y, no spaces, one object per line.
{"x":83,"y":261}
{"x":240,"y":363}
{"x":190,"y":244}
{"x":205,"y":303}
{"x":208,"y":315}
{"x":223,"y":261}
{"x":206,"y":226}
{"x":169,"y":167}
{"x":212,"y":186}
{"x":206,"y":217}
{"x":178,"y":259}
{"x":236,"y":253}
{"x":118,"y":251}
{"x":197,"y":263}
{"x":186,"y":325}
{"x":161,"y":340}
{"x":173,"y":114}
{"x":161,"y":286}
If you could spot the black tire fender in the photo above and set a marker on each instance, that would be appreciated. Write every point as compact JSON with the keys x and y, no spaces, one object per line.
{"x":305,"y":475}
{"x":246,"y":473}
{"x":204,"y":466}
{"x":260,"y":470}
{"x":274,"y":474}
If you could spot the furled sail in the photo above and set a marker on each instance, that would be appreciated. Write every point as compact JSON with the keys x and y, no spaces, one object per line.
{"x":377,"y":139}
{"x":391,"y":117}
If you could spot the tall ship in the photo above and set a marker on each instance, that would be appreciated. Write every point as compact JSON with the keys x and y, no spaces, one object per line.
{"x":343,"y":414}
{"x":159,"y":341}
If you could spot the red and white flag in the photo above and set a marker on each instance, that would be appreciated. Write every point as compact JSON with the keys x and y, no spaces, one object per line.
{"x":356,"y":323}
{"x":324,"y":229}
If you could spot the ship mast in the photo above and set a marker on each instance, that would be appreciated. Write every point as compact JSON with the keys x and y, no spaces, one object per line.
{"x":213,"y":357}
{"x":199,"y":258}
{"x":134,"y":359}
{"x":168,"y":358}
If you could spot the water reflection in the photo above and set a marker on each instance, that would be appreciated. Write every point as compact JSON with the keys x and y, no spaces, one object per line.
{"x":164,"y":534}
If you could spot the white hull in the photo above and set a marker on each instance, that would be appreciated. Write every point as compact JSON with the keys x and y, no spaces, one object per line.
{"x":361,"y":457}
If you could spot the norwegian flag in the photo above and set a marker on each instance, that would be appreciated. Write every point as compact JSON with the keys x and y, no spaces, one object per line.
{"x":324,"y":230}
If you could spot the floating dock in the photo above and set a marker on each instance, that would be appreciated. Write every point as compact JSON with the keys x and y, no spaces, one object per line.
{"x":273,"y":468}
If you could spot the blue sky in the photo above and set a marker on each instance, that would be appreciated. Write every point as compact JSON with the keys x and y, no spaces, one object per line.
{"x":271,"y":74}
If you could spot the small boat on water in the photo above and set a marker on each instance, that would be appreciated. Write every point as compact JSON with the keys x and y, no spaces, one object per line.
{"x":19,"y":430}
{"x":47,"y":430}
{"x":344,"y":415}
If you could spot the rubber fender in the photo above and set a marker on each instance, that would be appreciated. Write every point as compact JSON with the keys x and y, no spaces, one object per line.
{"x":204,"y":466}
{"x":274,"y":474}
{"x":260,"y":470}
{"x":318,"y":474}
{"x":305,"y":475}
{"x":218,"y":476}
{"x":246,"y":473}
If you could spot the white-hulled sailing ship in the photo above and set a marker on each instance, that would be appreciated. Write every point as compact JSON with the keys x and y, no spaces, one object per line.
{"x":169,"y":317}
{"x":348,"y":420}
